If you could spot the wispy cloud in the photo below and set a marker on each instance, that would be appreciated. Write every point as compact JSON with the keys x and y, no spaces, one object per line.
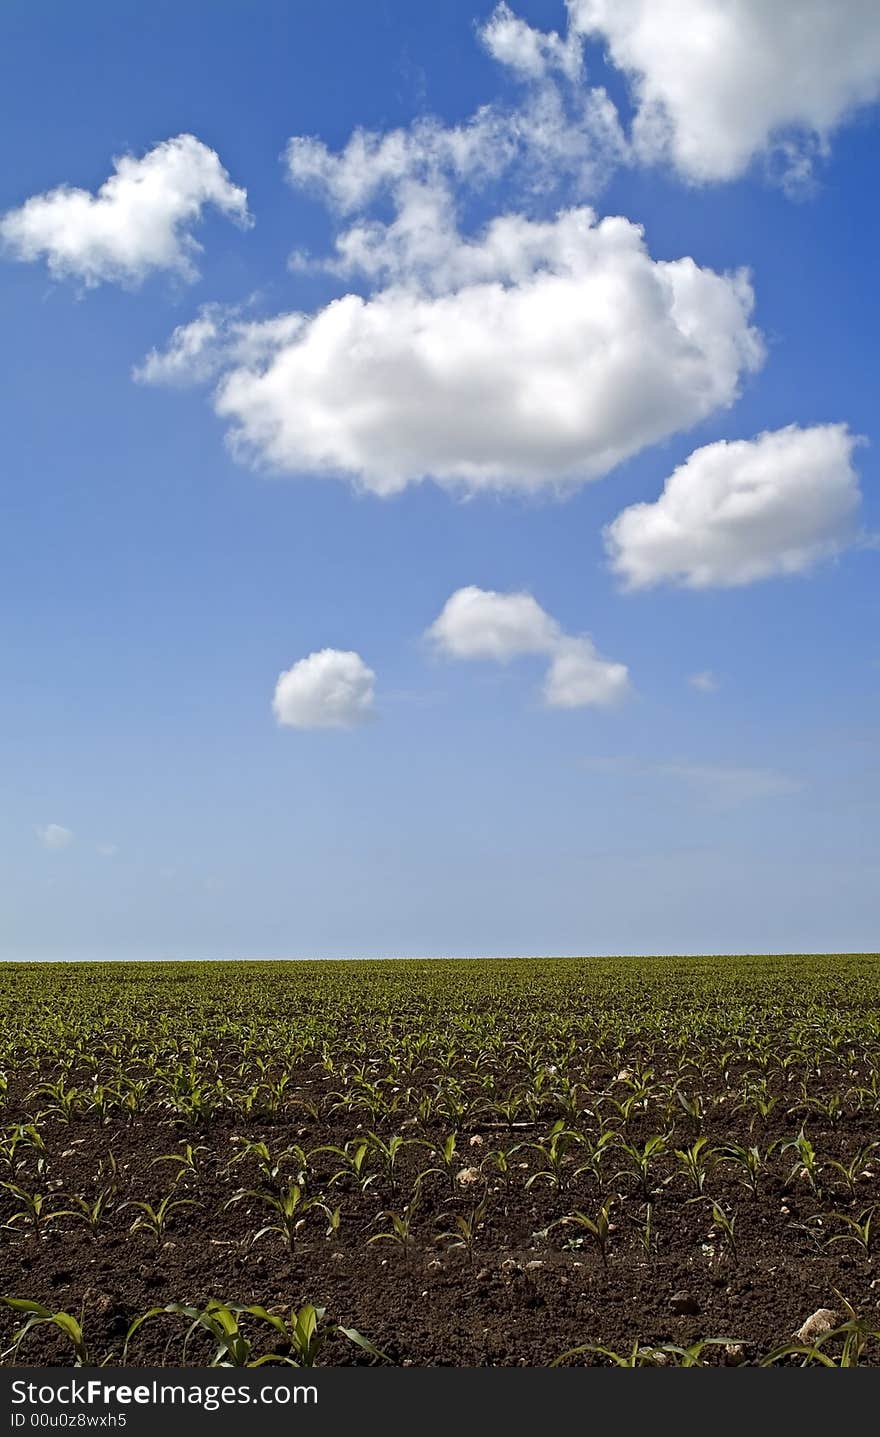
{"x":719,"y":785}
{"x":705,"y":682}
{"x":53,"y":835}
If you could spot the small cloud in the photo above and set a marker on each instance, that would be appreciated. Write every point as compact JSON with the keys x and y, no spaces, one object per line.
{"x":53,"y":835}
{"x":741,"y":510}
{"x":705,"y":682}
{"x":329,"y":689}
{"x":139,"y":221}
{"x":106,"y":850}
{"x":578,"y":677}
{"x":482,"y":624}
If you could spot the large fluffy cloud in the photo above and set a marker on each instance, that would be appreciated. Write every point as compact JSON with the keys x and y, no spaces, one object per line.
{"x":738,"y":511}
{"x":483,"y":624}
{"x":139,"y":220}
{"x":561,"y":349}
{"x":716,"y":82}
{"x":332,"y":688}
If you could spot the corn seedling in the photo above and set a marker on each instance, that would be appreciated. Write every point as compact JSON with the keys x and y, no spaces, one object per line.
{"x":355,"y":1169}
{"x":389,"y":1152}
{"x":748,"y":1161}
{"x":854,"y":1336}
{"x":725,"y":1225}
{"x":858,"y":1167}
{"x":290,"y":1208}
{"x":155,"y":1220}
{"x":306,"y":1333}
{"x":271,"y":1165}
{"x":642,"y":1162}
{"x":32,"y":1209}
{"x":858,"y":1230}
{"x":400,"y":1231}
{"x":554,"y":1155}
{"x":38,"y":1316}
{"x":807,"y":1166}
{"x":90,"y":1213}
{"x":22,"y":1142}
{"x":696,"y":1163}
{"x":185,"y":1162}
{"x":598,"y":1227}
{"x":444,"y":1154}
{"x":465,"y":1229}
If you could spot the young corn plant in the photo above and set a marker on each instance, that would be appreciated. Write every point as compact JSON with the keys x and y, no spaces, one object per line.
{"x":400,"y":1232}
{"x":38,"y":1316}
{"x":92,"y":1214}
{"x":22,"y":1143}
{"x":290,"y":1208}
{"x":66,"y":1103}
{"x":807,"y":1167}
{"x":271,"y":1165}
{"x":596,"y":1154}
{"x":854,"y":1336}
{"x":749,"y":1163}
{"x":696,"y":1163}
{"x":155,"y":1220}
{"x":725,"y":1226}
{"x":388,"y":1153}
{"x":691,"y":1106}
{"x":554,"y":1154}
{"x":640,"y":1356}
{"x":858,"y":1168}
{"x":355,"y":1170}
{"x":444,"y":1154}
{"x":597,"y":1228}
{"x":32,"y":1211}
{"x":832,"y":1108}
{"x":466,"y":1229}
{"x":759,"y":1102}
{"x":220,"y":1321}
{"x":306,"y":1333}
{"x":185,"y":1162}
{"x":642,"y":1161}
{"x":858,"y":1230}
{"x":500,"y":1161}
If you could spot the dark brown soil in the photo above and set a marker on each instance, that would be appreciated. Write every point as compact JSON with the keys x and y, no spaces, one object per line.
{"x":527,"y":1295}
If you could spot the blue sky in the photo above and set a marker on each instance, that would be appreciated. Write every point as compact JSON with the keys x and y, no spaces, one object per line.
{"x":703,"y":775}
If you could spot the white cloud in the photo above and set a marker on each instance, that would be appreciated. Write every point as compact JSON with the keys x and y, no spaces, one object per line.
{"x":717,"y":82}
{"x":139,"y":220}
{"x":217,"y":338}
{"x":332,"y":688}
{"x":482,"y":624}
{"x":54,"y":835}
{"x":736,"y":511}
{"x":532,"y":53}
{"x":705,"y":682}
{"x":560,"y":131}
{"x":718,"y":785}
{"x":559,"y":137}
{"x":106,"y":850}
{"x":562,"y":349}
{"x":579,"y":677}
